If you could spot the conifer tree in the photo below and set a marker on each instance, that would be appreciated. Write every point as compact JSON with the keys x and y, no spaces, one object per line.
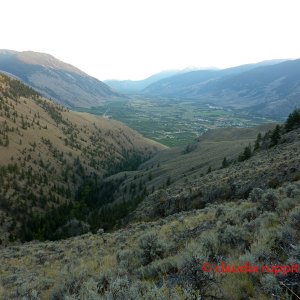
{"x":293,"y":120}
{"x":257,"y":142}
{"x":225,"y":163}
{"x":275,"y":136}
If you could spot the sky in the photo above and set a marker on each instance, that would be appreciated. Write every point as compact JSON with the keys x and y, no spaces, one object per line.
{"x":133,"y":39}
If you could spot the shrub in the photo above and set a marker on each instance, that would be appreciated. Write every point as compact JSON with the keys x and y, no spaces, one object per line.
{"x":209,"y":246}
{"x":232,"y":236}
{"x":24,"y":291}
{"x":238,"y":287}
{"x":256,"y":195}
{"x":285,"y":239}
{"x":73,"y":227}
{"x":263,"y":248}
{"x":158,"y":268}
{"x":295,"y":218}
{"x":104,"y":282}
{"x":152,"y":247}
{"x":270,"y":285}
{"x":292,"y":190}
{"x":119,"y":289}
{"x":71,"y":287}
{"x":285,"y":205}
{"x":191,"y":274}
{"x":269,"y":200}
{"x":249,"y":214}
{"x":247,"y":257}
{"x":89,"y":290}
{"x":129,"y":259}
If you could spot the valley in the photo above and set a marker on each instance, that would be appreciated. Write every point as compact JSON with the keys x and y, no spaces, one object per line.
{"x":192,"y":209}
{"x":128,"y":195}
{"x":150,"y":150}
{"x":171,"y":121}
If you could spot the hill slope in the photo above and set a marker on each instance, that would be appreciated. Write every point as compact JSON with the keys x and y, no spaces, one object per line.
{"x":47,"y":151}
{"x":248,"y":220}
{"x":175,"y":170}
{"x":267,"y":90}
{"x":55,"y":79}
{"x":177,"y":84}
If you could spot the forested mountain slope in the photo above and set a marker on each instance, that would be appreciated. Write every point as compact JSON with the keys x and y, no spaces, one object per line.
{"x":47,"y":151}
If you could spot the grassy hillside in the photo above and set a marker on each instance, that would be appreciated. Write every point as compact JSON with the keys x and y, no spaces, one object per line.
{"x":244,"y":214}
{"x":266,"y":169}
{"x":174,"y":170}
{"x":47,"y":152}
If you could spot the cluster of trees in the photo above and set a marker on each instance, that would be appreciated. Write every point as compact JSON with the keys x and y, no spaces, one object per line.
{"x":293,"y":121}
{"x":18,"y":89}
{"x":272,"y":137}
{"x":269,"y":140}
{"x":129,"y":162}
{"x":92,"y":206}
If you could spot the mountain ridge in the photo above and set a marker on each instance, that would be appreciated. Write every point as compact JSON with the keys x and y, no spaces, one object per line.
{"x":56,"y":79}
{"x":129,"y":86}
{"x":252,"y":88}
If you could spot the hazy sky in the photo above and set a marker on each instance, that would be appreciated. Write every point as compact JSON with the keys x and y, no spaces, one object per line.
{"x":132,"y":39}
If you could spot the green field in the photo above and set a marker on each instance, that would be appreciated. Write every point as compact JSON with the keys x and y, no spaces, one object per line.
{"x":172,"y":122}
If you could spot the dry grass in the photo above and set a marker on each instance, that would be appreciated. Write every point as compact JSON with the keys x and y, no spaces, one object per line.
{"x":50,"y":266}
{"x":53,"y":142}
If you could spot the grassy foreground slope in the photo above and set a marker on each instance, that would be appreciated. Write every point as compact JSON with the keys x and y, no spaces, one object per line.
{"x":47,"y":151}
{"x":163,"y":259}
{"x":249,"y":214}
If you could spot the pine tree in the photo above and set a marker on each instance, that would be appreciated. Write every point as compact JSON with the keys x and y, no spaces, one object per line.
{"x":247,"y":153}
{"x":257,"y":142}
{"x":293,"y":120}
{"x":225,"y":163}
{"x":168,"y":181}
{"x":275,"y":136}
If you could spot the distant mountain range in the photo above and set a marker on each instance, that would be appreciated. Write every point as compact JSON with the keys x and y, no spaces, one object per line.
{"x":136,"y":86}
{"x":177,"y":84}
{"x":131,"y":86}
{"x":270,"y":88}
{"x":55,"y":79}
